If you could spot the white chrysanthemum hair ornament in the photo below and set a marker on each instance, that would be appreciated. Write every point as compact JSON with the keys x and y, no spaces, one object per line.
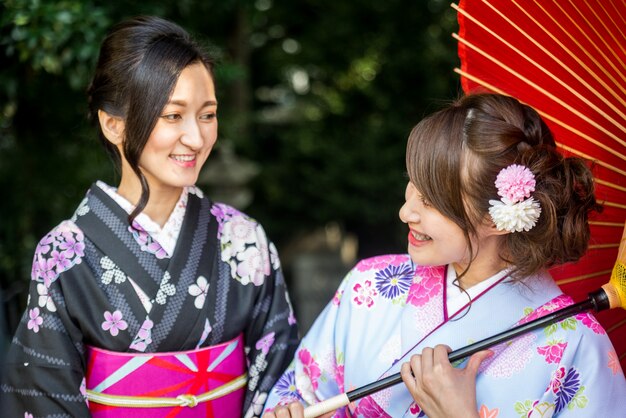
{"x":516,"y":211}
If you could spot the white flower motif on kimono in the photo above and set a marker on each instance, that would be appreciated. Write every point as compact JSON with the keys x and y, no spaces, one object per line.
{"x":165,"y":289}
{"x":82,"y":209}
{"x":260,"y":364}
{"x":239,"y":232}
{"x":253,"y":265}
{"x":274,"y":259}
{"x":199,"y":290}
{"x":35,"y":320}
{"x":113,"y":322}
{"x":112,"y":272}
{"x":45,"y":300}
{"x":256,"y":407}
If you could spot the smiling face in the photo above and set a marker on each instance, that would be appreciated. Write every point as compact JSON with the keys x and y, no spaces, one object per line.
{"x":181,"y":141}
{"x":183,"y":136}
{"x":433,"y":238}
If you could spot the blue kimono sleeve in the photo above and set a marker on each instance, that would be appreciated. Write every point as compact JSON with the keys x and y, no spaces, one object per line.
{"x":317,"y":370}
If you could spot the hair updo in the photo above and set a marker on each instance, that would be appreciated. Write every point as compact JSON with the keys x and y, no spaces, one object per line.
{"x":453,"y":158}
{"x":139,"y":63}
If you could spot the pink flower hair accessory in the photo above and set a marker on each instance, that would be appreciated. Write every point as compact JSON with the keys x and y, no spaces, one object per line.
{"x":515,"y":183}
{"x":517,"y":211}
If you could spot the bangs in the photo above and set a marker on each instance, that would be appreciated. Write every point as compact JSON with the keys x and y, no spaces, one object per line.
{"x":433,"y":159}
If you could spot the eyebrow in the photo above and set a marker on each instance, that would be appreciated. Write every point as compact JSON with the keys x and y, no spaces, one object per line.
{"x":184,"y":103}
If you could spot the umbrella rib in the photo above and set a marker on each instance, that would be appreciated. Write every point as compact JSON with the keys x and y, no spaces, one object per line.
{"x":608,"y":16}
{"x":621,"y":15}
{"x":590,"y":56}
{"x":582,"y":154}
{"x":602,"y":223}
{"x":611,"y":185}
{"x":576,"y":112}
{"x":616,"y":326}
{"x":583,"y":277}
{"x":558,"y":61}
{"x":593,"y":28}
{"x":575,"y":57}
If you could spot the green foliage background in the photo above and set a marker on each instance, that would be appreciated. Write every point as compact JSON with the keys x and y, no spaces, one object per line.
{"x":320,"y":94}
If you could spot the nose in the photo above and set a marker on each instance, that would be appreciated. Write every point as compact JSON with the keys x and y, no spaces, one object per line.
{"x":192,"y":135}
{"x":408,"y":211}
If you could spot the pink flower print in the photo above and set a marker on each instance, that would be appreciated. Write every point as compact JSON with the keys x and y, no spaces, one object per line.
{"x":45,"y":244}
{"x":614,"y":364}
{"x":72,"y":247}
{"x":552,"y":352}
{"x":265,"y":343}
{"x":114,"y":323}
{"x":311,"y":368}
{"x":380,"y":262}
{"x":146,"y":242}
{"x":590,"y":322}
{"x":515,"y":183}
{"x":487,"y":413}
{"x":415,"y":410}
{"x":60,"y":261}
{"x":425,"y":289}
{"x":337,"y":297}
{"x":28,"y":415}
{"x":558,"y":302}
{"x":44,"y":268}
{"x":144,"y":336}
{"x":338,"y":372}
{"x":556,"y":380}
{"x":35,"y":320}
{"x":368,"y":407}
{"x":365,"y":293}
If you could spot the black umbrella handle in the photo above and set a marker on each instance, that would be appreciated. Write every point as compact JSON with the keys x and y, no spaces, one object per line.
{"x":597,"y":301}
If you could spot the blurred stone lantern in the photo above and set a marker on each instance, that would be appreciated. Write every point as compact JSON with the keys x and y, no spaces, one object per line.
{"x":225,"y":176}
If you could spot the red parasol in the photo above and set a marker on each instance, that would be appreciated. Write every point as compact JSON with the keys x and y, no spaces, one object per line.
{"x":566,"y":59}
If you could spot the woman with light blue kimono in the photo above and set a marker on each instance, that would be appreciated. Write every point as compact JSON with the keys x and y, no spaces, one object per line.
{"x":490,"y":204}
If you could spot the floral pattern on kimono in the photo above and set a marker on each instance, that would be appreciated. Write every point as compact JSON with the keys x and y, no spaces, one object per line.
{"x":96,"y":281}
{"x":567,"y":369}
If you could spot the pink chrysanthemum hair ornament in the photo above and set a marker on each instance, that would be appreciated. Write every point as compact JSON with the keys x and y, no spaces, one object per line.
{"x":517,"y":211}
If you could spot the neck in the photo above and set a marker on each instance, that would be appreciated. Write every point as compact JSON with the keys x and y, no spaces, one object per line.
{"x":160,"y":204}
{"x":485,"y":264}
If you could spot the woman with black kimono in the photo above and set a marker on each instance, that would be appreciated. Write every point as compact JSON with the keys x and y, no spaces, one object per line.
{"x":152,"y":300}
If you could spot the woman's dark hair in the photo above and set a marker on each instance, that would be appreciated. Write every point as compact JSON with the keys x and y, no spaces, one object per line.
{"x":453,"y":158}
{"x":139,"y":63}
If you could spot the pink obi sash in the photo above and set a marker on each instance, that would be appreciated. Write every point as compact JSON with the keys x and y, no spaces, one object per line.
{"x":207,"y":382}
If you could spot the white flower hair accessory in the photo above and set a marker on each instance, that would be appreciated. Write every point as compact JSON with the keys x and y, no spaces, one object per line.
{"x":517,"y":211}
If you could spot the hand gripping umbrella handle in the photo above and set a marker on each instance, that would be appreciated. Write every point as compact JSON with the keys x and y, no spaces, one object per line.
{"x":610,"y":295}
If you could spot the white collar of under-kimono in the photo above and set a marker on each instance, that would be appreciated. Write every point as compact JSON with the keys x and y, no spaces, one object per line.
{"x":166,"y":236}
{"x":457,"y":299}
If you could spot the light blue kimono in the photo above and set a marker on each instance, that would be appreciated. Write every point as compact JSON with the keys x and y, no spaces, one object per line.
{"x":387,"y":309}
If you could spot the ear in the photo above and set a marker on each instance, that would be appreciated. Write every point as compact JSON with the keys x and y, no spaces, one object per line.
{"x":112,"y":127}
{"x":490,"y":227}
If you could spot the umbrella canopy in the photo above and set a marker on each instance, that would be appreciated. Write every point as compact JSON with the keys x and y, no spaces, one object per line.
{"x":566,"y":59}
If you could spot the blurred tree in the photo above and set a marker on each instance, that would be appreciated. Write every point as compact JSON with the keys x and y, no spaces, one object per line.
{"x":321,"y":94}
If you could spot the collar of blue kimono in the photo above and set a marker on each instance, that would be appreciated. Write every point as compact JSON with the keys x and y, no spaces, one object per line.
{"x":545,"y":299}
{"x":444,"y":319}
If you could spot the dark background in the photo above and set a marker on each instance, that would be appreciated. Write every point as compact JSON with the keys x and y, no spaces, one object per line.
{"x":316,"y":101}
